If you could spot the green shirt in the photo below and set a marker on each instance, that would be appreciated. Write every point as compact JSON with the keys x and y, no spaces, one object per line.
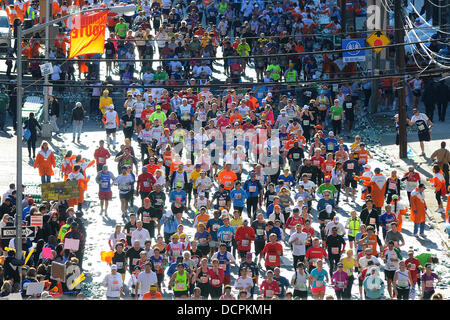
{"x":336,"y":112}
{"x":160,"y":76}
{"x":424,"y":258}
{"x":323,"y":187}
{"x":121,"y":29}
{"x":275,"y":71}
{"x":161,"y":116}
{"x":243,"y":49}
{"x":4,"y":101}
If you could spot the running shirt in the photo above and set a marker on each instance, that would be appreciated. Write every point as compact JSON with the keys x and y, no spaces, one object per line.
{"x":421,"y":121}
{"x":319,"y":280}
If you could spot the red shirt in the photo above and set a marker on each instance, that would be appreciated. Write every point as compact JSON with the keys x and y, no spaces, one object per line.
{"x":270,"y":289}
{"x":272,"y":254}
{"x":213,"y":277}
{"x":101,"y":154}
{"x":145,"y":113}
{"x":415,"y":264}
{"x":244,"y":235}
{"x":317,"y":161}
{"x":145,"y":182}
{"x":293,"y":221}
{"x":315,"y":253}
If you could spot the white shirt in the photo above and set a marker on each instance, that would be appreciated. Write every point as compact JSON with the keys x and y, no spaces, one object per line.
{"x":114,"y":239}
{"x":340,"y":228}
{"x":244,"y":283}
{"x":390,"y":264}
{"x":113,"y":284}
{"x":298,"y":247}
{"x":145,"y":280}
{"x":141,"y":235}
{"x":363,"y":261}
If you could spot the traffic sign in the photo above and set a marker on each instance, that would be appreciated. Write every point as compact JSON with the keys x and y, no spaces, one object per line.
{"x":356,"y":55}
{"x":378,"y":39}
{"x":10,"y":232}
{"x":36,"y":221}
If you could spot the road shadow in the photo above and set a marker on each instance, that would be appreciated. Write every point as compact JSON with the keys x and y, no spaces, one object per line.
{"x":108,"y":221}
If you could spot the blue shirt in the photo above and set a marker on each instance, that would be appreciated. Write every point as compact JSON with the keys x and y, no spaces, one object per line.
{"x":330,"y":144}
{"x":210,"y":226}
{"x":322,"y":203}
{"x":174,"y":194}
{"x":238,"y":197}
{"x":253,"y":188}
{"x":173,"y":268}
{"x":225,"y":234}
{"x":320,"y":276}
{"x":283,"y":283}
{"x":336,"y":148}
{"x":275,"y":230}
{"x":170,"y":226}
{"x":203,"y":235}
{"x":289,"y":179}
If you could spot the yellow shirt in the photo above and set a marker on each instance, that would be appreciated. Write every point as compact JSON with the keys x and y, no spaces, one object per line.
{"x":236,"y":222}
{"x":348,"y":264}
{"x":104,"y":102}
{"x":194,"y":176}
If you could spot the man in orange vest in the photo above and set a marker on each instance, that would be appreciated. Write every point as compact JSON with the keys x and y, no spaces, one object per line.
{"x":378,"y":188}
{"x":418,"y":209}
{"x":61,"y":41}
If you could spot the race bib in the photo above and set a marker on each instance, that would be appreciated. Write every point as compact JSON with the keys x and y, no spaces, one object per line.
{"x":252,"y":188}
{"x":322,"y":107}
{"x":429,"y":283}
{"x":157,"y":265}
{"x":259,"y":232}
{"x":335,"y":250}
{"x":296,"y":156}
{"x":237,"y":196}
{"x":413,"y":267}
{"x":316,"y":163}
{"x":181,"y":286}
{"x":328,"y":167}
{"x":421,"y":127}
{"x":129,"y":123}
{"x":101,"y":160}
{"x":350,"y":166}
{"x":215,"y":227}
{"x":372,"y":221}
{"x":306,"y":122}
{"x":319,"y":283}
{"x":222,"y":203}
{"x":146,"y":220}
{"x":146,"y":184}
{"x":105,"y":185}
{"x":244,"y":243}
{"x":340,"y":284}
{"x":337,"y":118}
{"x":119,"y":265}
{"x":362,"y":160}
{"x":270,"y":293}
{"x":204,"y":279}
{"x":222,"y":266}
{"x":227,"y":237}
{"x":227,"y":183}
{"x":402,"y":283}
{"x":348,"y":105}
{"x":392,"y":186}
{"x":167,"y":163}
{"x":203,"y":241}
{"x":272,"y":258}
{"x":135,"y":261}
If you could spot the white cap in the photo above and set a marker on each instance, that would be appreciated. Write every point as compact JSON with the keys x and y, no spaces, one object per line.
{"x":367,"y":166}
{"x":269,"y":94}
{"x":113,"y":267}
{"x":111,"y":106}
{"x":331,"y":134}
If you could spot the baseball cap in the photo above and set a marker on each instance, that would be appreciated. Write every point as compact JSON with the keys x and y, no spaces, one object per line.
{"x":114,"y":267}
{"x":179,"y":184}
{"x":158,"y":107}
{"x":331,"y":133}
{"x":422,"y":186}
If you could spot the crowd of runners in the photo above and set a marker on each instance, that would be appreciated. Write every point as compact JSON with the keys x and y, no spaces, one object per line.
{"x":259,"y":173}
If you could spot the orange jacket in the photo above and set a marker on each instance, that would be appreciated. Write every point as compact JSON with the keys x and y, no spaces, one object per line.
{"x":418,"y":207}
{"x":67,"y":166}
{"x":378,"y":185}
{"x":227,"y":178}
{"x":44,"y":162}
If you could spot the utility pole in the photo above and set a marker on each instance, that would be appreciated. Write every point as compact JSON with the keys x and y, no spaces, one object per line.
{"x":400,"y":63}
{"x":19,"y":125}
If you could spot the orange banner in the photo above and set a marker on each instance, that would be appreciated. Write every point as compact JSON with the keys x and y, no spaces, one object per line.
{"x":87,"y":34}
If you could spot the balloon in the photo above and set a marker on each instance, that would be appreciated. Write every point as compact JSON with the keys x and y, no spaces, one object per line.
{"x":106,"y":256}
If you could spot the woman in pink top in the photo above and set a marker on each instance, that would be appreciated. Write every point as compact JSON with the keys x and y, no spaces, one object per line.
{"x":339,"y":280}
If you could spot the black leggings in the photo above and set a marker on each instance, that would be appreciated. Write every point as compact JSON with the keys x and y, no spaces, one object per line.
{"x":438,"y":196}
{"x":252,"y":205}
{"x":337,"y":124}
{"x":31,"y":143}
{"x":403,"y":294}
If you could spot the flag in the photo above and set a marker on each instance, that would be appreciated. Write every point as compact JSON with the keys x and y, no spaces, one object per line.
{"x":87,"y":34}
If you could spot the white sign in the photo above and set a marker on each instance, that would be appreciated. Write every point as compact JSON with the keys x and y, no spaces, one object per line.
{"x":46,"y":68}
{"x":72,"y":244}
{"x":35,"y":288}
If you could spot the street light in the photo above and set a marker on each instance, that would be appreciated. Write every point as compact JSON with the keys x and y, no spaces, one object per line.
{"x":20,"y":34}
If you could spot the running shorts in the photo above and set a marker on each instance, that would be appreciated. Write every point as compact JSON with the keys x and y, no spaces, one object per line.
{"x":105,"y":195}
